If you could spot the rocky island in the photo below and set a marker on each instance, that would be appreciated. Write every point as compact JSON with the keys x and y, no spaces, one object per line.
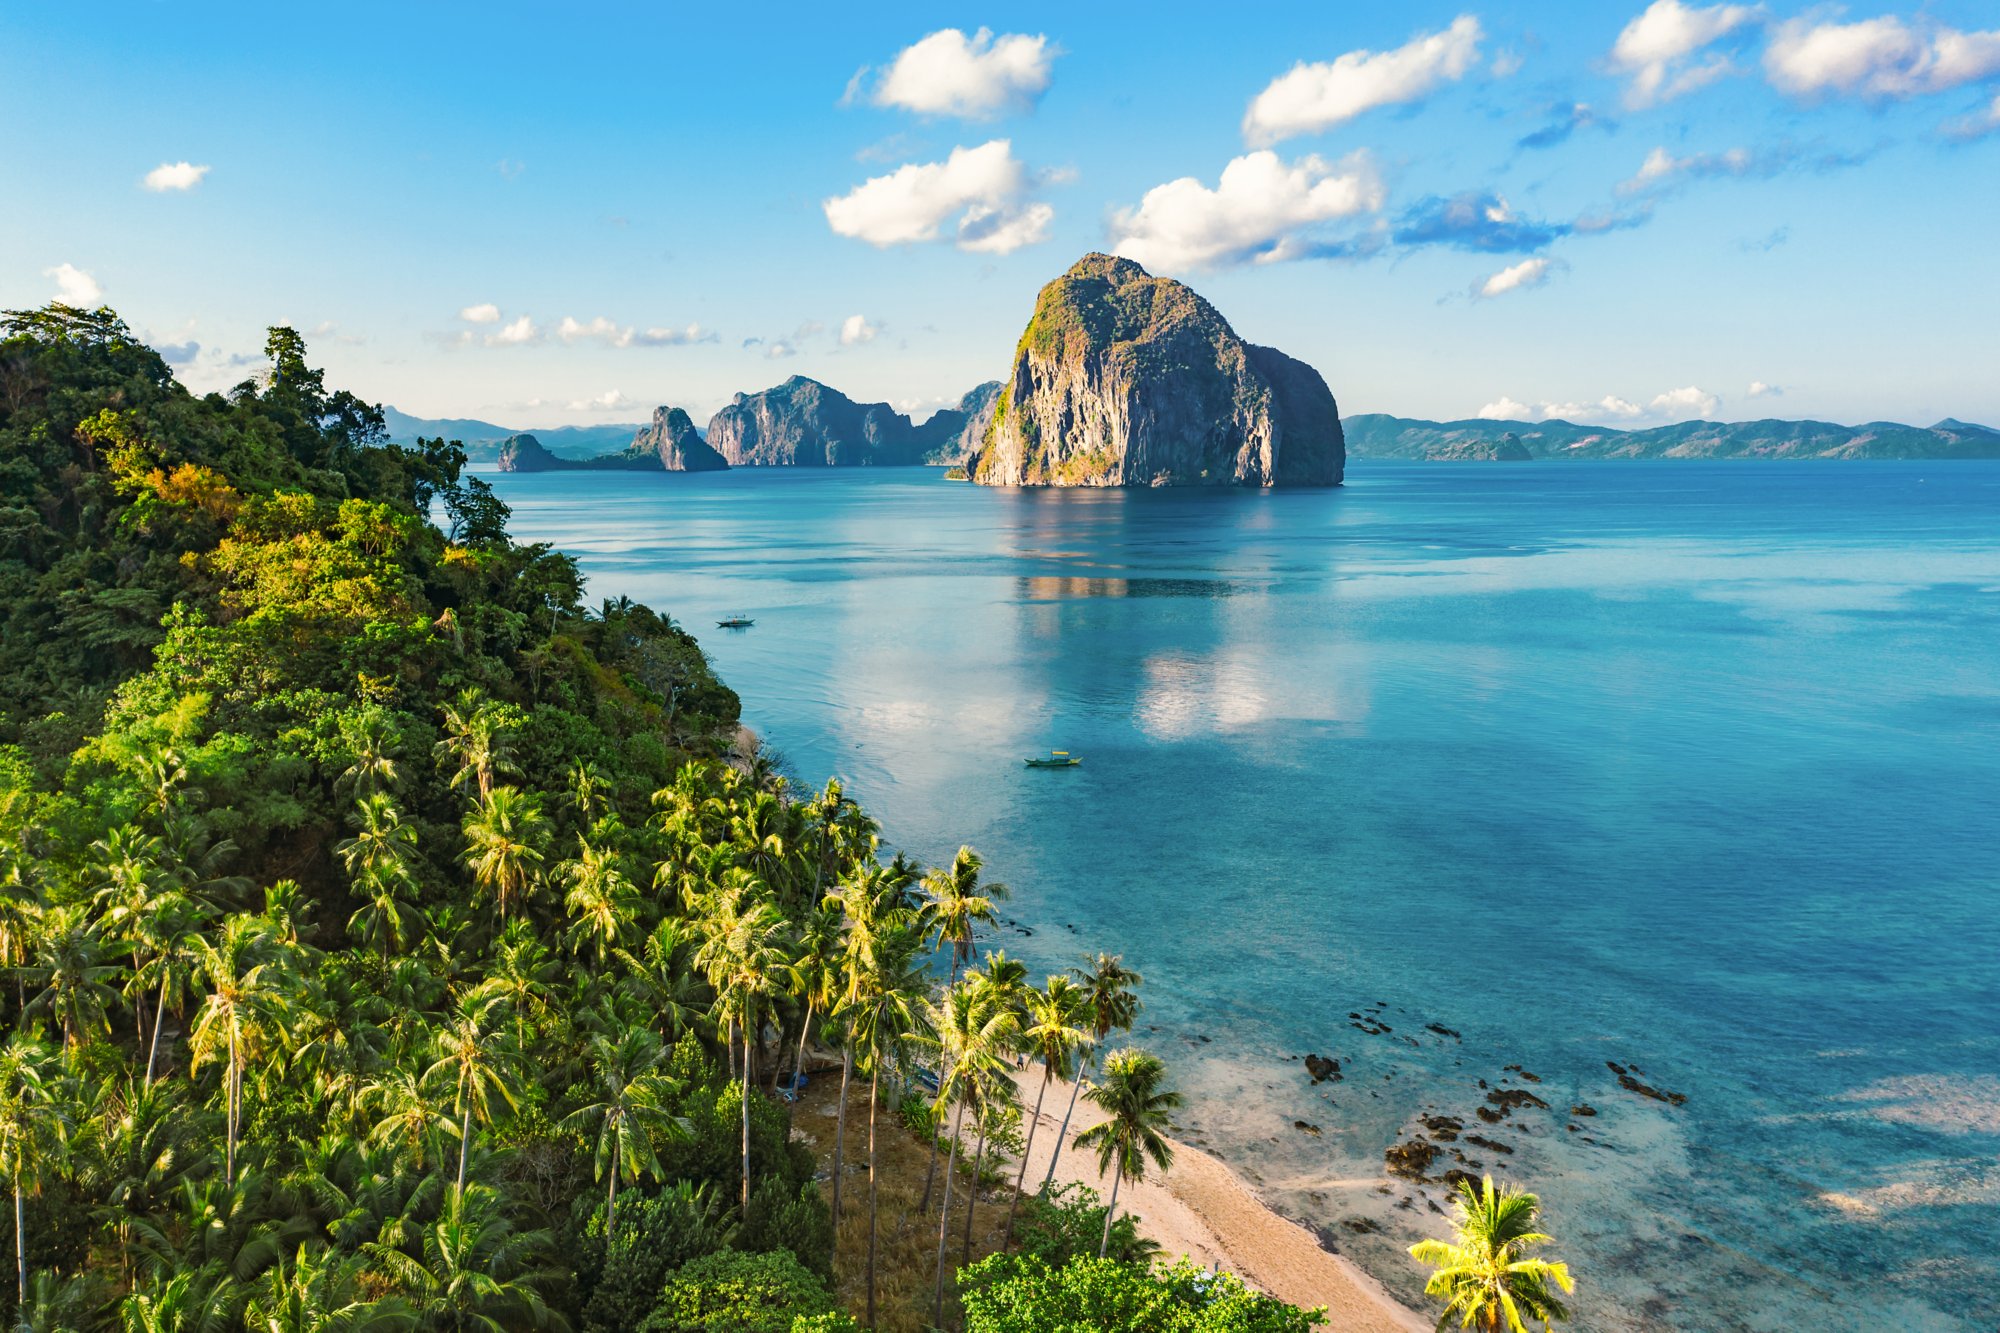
{"x":803,"y":423}
{"x":669,"y":444}
{"x":1125,"y":379}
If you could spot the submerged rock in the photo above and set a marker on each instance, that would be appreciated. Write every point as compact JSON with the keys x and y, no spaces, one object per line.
{"x":1125,"y":379}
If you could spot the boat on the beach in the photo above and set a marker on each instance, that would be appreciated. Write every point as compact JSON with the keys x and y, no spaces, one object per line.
{"x":1056,"y":759}
{"x":735,"y":622}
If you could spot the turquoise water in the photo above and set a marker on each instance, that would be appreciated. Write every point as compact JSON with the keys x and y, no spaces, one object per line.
{"x":1688,"y":767}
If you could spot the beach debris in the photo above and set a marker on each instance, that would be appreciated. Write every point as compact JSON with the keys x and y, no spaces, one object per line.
{"x":1322,"y":1068}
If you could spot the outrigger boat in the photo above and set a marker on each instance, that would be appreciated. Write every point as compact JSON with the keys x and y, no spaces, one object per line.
{"x":1056,"y":759}
{"x":735,"y":622}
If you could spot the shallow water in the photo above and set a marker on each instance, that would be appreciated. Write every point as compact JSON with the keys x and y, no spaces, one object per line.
{"x":1680,"y":765}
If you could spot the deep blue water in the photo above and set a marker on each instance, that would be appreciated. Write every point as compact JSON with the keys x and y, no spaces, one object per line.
{"x":1690,"y":767}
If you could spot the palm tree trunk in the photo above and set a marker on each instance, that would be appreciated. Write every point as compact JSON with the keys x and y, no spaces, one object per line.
{"x":1062,"y":1135}
{"x":229,"y":1097}
{"x":159,"y":1021}
{"x":20,"y":1247}
{"x":798,"y":1069}
{"x":1021,"y":1176}
{"x":840,"y":1139}
{"x":1110,"y":1211}
{"x":972,"y":1190}
{"x":464,"y":1144}
{"x":611,"y":1205}
{"x":874,"y":1076}
{"x":746,"y":1121}
{"x":944,"y":1216}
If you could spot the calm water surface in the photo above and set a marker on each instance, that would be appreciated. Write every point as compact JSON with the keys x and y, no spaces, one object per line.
{"x":1688,"y":767}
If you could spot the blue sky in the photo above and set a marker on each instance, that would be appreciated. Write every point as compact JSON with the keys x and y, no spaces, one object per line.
{"x":1613,"y":212}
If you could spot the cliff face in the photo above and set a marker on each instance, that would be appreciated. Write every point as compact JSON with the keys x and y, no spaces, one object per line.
{"x":525,"y":453}
{"x":952,"y":435}
{"x":803,"y":423}
{"x":1124,"y":379}
{"x":673,"y":441}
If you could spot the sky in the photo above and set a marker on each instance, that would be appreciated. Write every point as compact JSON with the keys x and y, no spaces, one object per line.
{"x":1611,"y":212}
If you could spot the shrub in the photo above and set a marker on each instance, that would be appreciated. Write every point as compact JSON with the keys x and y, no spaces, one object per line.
{"x":733,"y":1292}
{"x":1068,"y":1223}
{"x":1020,"y":1294}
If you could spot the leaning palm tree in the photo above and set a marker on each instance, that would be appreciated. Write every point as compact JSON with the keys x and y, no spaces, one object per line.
{"x":1485,"y":1272}
{"x":247,"y":998}
{"x":32,"y":1129}
{"x":506,"y":841}
{"x":1137,"y":1110}
{"x":974,"y":1034}
{"x":960,"y":903}
{"x":1111,"y":1001}
{"x":744,"y":961}
{"x":629,"y":1114}
{"x":1054,"y":1033}
{"x":474,"y":1057}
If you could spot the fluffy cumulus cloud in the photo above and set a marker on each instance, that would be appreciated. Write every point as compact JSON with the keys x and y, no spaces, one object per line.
{"x":483,"y":313}
{"x":515,"y":333}
{"x":1759,"y":389}
{"x":983,"y":193}
{"x":1673,"y":405}
{"x":855,"y":330}
{"x":1515,"y":278}
{"x":1666,"y":50}
{"x":1880,"y":58}
{"x":976,"y":77}
{"x":74,"y":286}
{"x":173,"y":176}
{"x":1262,"y":210}
{"x":1316,"y":96}
{"x":1475,"y":220}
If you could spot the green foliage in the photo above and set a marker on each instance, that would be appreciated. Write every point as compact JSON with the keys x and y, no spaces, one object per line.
{"x":1022,"y":1294}
{"x":732,"y":1292}
{"x":1068,"y":1222}
{"x":656,"y":1235}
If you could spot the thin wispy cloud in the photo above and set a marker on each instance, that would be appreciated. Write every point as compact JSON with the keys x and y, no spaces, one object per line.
{"x":1529,"y":273}
{"x":1312,"y":97}
{"x":1565,"y":123}
{"x":1475,"y":220}
{"x":1262,"y":210}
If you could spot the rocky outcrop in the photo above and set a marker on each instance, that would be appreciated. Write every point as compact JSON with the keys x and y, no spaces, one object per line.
{"x":1125,"y":379}
{"x":525,"y":453}
{"x":803,"y":423}
{"x":673,"y":441}
{"x":957,"y":431}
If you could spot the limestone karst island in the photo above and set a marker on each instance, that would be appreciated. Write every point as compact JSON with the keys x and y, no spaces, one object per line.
{"x":1304,"y":669}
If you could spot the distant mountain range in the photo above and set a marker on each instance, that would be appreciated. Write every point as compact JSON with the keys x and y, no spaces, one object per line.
{"x":1373,"y":435}
{"x":482,"y":439}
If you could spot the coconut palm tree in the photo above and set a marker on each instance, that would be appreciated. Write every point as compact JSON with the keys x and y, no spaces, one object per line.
{"x":883,"y":1014}
{"x":814,"y":976}
{"x":522,"y":975}
{"x":1485,"y":1272}
{"x":1003,"y":984}
{"x":20,"y":918}
{"x":472,"y":1055}
{"x":471,"y":1269}
{"x":244,"y":1010}
{"x":630,"y":1112}
{"x":506,"y":842}
{"x":371,"y":741}
{"x":75,"y":978}
{"x":478,"y":737}
{"x":168,"y":942}
{"x":960,"y":903}
{"x":33,"y":1126}
{"x":320,"y":1292}
{"x":601,"y":901}
{"x":406,"y":1116}
{"x":662,"y":977}
{"x":1137,"y":1110}
{"x":381,"y":841}
{"x":744,"y":960}
{"x":974,"y":1034}
{"x":1054,"y":1033}
{"x":1110,"y":995}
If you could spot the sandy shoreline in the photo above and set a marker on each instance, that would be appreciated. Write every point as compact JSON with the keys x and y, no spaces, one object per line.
{"x":1204,"y":1210}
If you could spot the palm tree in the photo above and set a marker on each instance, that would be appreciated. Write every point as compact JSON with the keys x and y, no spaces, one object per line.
{"x":960,"y":903}
{"x":663,"y":979}
{"x":815,"y":977}
{"x":521,"y":975}
{"x":473,"y":1055}
{"x":189,"y":1301}
{"x":245,"y":1006}
{"x":32,"y":1128}
{"x":974,"y":1034}
{"x":385,"y":918}
{"x":1003,"y":985}
{"x":506,"y":838}
{"x":478,"y":735}
{"x":1485,"y":1272}
{"x":381,"y":841}
{"x":371,"y":740}
{"x":69,"y":963}
{"x":20,"y":919}
{"x":471,"y":1269}
{"x":601,"y":900}
{"x":744,"y":961}
{"x":409,"y":1119}
{"x":1109,"y":995}
{"x":168,"y":939}
{"x":883,"y":1014}
{"x":630,"y":1111}
{"x":1054,"y":1033}
{"x":1138,"y":1109}
{"x":320,"y":1293}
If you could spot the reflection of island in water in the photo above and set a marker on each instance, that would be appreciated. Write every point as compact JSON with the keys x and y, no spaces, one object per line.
{"x":1050,"y":587}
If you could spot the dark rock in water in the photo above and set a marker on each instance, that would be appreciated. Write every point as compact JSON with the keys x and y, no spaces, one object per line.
{"x":1491,"y":1145}
{"x":1322,"y":1068}
{"x":1443,"y":1031}
{"x":1614,"y":1066}
{"x":1505,"y":1100}
{"x":1532,"y":1078}
{"x":1306,"y":1127}
{"x":1489,"y":1115}
{"x":1411,"y":1159}
{"x":1364,"y":1226}
{"x":1453,"y":1178}
{"x":1125,"y":379}
{"x":1583,"y":1109}
{"x":1444,"y":1128}
{"x":1630,"y":1084}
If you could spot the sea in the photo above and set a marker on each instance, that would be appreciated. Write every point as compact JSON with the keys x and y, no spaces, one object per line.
{"x":1663,"y":792}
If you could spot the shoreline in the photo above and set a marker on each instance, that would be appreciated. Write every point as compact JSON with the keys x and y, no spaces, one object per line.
{"x":1204,"y":1210}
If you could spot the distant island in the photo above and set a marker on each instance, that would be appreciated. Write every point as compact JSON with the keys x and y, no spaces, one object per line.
{"x":1376,"y":436}
{"x":1125,"y":379}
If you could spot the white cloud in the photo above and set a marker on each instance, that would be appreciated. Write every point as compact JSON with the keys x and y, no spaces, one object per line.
{"x":611,"y":400}
{"x":1314,"y":97}
{"x":984,"y":188}
{"x":1259,"y":211}
{"x":483,"y":313}
{"x":1516,"y":277}
{"x":1654,"y":48}
{"x":681,"y":337}
{"x":1662,"y":168}
{"x":174,"y":176}
{"x":976,"y":77}
{"x":1681,"y":404}
{"x":1877,"y":58}
{"x":74,"y":286}
{"x":516,"y":333}
{"x":611,"y":334}
{"x":856,"y":329}
{"x":1759,"y":389}
{"x":777,"y":351}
